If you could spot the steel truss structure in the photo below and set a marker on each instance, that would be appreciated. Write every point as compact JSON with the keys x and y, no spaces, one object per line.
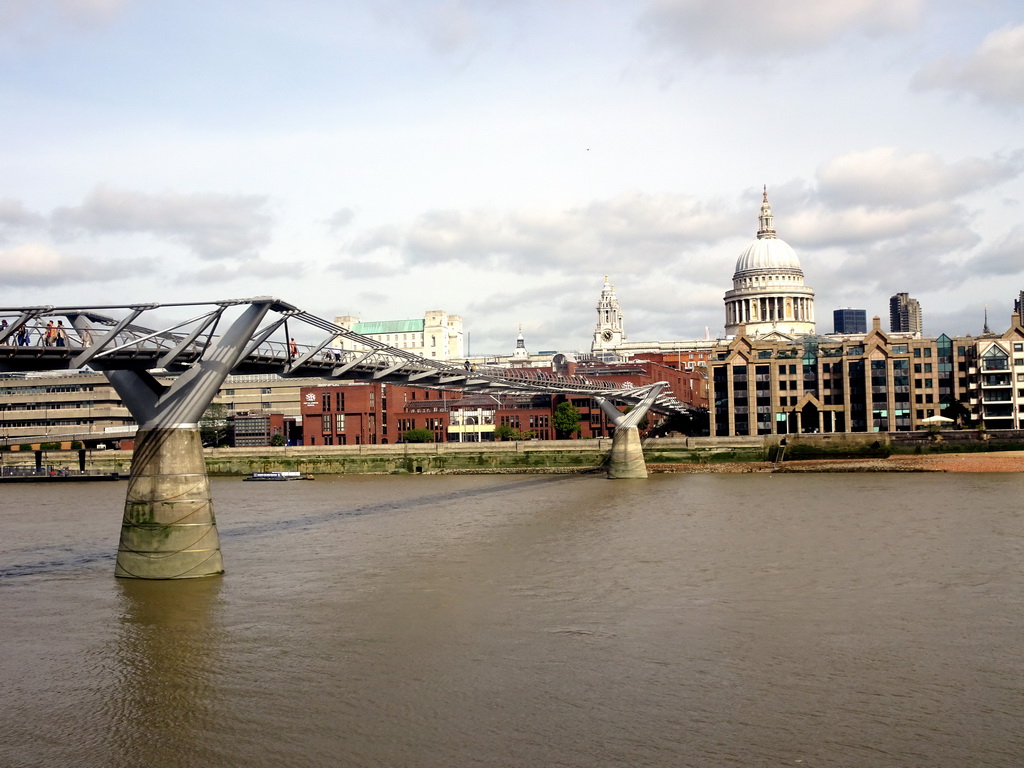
{"x":147,"y":338}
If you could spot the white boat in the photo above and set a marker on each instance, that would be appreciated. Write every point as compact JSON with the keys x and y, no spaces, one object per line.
{"x":271,"y":476}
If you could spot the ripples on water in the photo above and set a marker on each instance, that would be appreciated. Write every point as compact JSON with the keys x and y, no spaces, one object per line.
{"x":706,"y":620}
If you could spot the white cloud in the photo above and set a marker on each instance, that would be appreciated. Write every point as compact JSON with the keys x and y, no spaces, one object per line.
{"x":340,"y":219}
{"x":993,"y":73}
{"x":861,"y":226}
{"x":14,"y":216}
{"x":641,"y":228}
{"x":887,"y":176}
{"x":756,"y":30}
{"x":29,"y":20}
{"x":39,"y":265}
{"x":1005,"y":257}
{"x":214,"y":226}
{"x":249,"y":271}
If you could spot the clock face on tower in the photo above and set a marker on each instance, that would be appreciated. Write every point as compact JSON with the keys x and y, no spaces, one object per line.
{"x":606,"y":335}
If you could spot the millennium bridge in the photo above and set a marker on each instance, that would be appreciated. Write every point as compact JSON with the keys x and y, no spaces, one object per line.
{"x":169,"y":529}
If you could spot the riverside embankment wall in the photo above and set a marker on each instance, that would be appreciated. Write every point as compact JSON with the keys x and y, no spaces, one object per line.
{"x":547,"y":456}
{"x":540,"y":456}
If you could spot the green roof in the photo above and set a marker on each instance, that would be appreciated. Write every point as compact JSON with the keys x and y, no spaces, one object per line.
{"x":389,"y":326}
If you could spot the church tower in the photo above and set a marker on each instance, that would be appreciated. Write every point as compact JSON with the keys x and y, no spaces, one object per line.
{"x":608,"y":334}
{"x":520,"y":353}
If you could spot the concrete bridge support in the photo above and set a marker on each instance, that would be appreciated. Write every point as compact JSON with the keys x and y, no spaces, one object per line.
{"x":627,"y":456}
{"x":169,"y":529}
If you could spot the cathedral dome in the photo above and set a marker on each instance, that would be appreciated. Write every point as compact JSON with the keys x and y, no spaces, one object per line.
{"x":767,"y":253}
{"x":768,"y":293}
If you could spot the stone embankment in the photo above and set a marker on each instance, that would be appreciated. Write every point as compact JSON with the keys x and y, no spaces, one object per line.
{"x":996,"y":461}
{"x":905,"y":452}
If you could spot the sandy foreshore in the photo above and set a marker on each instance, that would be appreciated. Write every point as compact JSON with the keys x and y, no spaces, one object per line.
{"x":999,"y":461}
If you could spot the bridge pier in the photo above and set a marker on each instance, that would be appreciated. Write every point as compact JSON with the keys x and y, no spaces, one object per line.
{"x":626,"y":461}
{"x":627,"y":457}
{"x":169,"y":530}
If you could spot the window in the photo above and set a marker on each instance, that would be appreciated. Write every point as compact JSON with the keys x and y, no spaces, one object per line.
{"x":994,"y":359}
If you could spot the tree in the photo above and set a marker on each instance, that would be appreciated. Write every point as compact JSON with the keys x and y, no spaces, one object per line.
{"x":418,"y":436}
{"x":566,"y":420}
{"x":505,"y":432}
{"x":277,"y":439}
{"x":213,"y":426}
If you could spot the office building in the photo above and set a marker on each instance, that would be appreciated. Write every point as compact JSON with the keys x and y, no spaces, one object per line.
{"x":905,"y":315}
{"x":437,"y":335}
{"x":846,"y":321}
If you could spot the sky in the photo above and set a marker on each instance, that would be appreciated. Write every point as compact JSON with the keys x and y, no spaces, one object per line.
{"x":496,"y":159}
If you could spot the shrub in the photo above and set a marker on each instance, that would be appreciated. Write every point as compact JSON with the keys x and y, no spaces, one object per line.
{"x":418,"y":436}
{"x":505,"y":432}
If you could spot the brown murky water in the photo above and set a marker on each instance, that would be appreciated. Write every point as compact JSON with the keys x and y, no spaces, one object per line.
{"x":704,"y":620}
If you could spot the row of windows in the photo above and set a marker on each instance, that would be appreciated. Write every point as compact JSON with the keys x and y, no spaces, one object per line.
{"x":47,"y":390}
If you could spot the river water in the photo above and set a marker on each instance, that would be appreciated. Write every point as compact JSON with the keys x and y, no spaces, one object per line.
{"x":685,"y":620}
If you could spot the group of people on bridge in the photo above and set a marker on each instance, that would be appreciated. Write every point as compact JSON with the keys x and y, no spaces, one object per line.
{"x":50,"y":335}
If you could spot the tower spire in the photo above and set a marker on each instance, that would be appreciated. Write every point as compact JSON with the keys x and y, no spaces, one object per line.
{"x":766,"y":219}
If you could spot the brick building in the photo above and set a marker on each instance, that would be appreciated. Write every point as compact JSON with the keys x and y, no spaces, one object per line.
{"x":376,"y":414}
